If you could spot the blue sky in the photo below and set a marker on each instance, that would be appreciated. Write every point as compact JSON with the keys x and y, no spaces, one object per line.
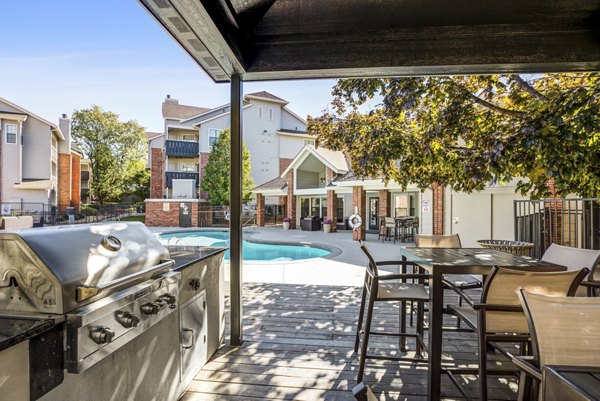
{"x":62,"y":55}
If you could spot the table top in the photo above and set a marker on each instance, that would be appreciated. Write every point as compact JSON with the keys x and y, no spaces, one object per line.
{"x":473,"y":260}
{"x":571,"y":383}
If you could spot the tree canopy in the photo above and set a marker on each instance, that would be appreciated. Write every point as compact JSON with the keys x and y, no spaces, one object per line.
{"x":114,"y":148}
{"x":215,"y":176}
{"x":470,"y":131}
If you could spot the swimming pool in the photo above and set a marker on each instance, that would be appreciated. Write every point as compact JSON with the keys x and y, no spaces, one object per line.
{"x":250,"y":250}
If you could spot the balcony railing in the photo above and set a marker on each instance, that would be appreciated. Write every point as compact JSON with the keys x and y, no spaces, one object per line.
{"x":180,"y":175}
{"x":181,"y":148}
{"x":85,"y":175}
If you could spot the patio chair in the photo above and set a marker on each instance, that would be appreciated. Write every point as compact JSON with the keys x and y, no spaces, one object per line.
{"x":379,"y":288}
{"x":574,"y":259}
{"x":387,"y":229}
{"x":498,"y":315}
{"x":564,"y":331}
{"x":363,"y":393}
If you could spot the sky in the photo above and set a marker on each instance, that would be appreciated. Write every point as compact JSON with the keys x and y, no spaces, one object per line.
{"x":63,"y":55}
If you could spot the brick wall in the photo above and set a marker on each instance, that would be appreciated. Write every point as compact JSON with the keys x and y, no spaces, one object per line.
{"x":359,"y":201}
{"x":157,"y":174}
{"x":64,"y":181}
{"x":291,"y":200}
{"x":203,"y":163}
{"x":156,"y":215}
{"x":553,"y":217}
{"x":76,"y":180}
{"x":332,"y":204}
{"x":438,"y":209}
{"x":260,"y":210}
{"x":329,"y":175}
{"x":385,"y":201}
{"x":283,"y":164}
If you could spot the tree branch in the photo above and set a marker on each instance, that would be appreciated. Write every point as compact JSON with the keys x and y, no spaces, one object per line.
{"x":528,"y":88}
{"x":496,"y":108}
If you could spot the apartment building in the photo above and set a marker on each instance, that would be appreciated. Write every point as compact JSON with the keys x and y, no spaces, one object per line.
{"x":37,"y":162}
{"x":273,"y":135}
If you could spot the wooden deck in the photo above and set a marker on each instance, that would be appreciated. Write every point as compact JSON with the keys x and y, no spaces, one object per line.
{"x":298,"y":345}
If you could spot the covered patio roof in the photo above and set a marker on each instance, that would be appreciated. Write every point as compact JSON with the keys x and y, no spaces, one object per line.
{"x":291,"y":39}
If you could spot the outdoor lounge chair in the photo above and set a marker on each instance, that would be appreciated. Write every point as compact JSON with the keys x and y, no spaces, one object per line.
{"x":564,"y":331}
{"x":379,"y":288}
{"x":574,"y":259}
{"x":498,"y":315}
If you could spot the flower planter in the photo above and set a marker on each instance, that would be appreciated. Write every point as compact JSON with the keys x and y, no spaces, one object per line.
{"x":286,"y":225}
{"x":327,"y":228}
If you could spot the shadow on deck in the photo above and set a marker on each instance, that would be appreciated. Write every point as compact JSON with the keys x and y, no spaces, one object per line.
{"x":298,"y":345}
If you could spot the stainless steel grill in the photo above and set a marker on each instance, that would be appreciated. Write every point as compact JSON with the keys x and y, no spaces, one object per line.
{"x":110,"y":281}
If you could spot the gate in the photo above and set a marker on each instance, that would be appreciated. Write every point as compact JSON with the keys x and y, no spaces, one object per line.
{"x":185,"y":214}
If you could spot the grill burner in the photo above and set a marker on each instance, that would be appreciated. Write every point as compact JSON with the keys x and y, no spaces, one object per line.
{"x":111,"y":282}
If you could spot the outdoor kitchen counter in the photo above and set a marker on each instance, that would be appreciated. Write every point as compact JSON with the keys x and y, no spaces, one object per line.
{"x":187,"y":255}
{"x":15,"y":330}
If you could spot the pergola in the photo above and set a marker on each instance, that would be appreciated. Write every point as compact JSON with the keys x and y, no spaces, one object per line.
{"x":256,"y":40}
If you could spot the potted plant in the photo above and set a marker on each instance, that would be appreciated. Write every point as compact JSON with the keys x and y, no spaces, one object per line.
{"x":286,"y":223}
{"x":327,"y":225}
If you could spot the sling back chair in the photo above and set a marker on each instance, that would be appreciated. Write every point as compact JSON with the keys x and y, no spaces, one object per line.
{"x":574,"y":259}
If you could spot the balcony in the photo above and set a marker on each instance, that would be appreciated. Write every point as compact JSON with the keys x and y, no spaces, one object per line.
{"x":180,"y":175}
{"x":181,"y":148}
{"x":85,"y":175}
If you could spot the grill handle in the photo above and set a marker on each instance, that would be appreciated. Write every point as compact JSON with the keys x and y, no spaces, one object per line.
{"x":84,"y":292}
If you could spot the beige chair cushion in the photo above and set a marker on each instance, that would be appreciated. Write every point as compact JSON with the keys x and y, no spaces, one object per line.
{"x":437,"y":241}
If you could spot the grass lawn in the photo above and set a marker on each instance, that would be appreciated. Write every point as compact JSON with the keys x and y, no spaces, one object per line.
{"x":141,"y":218}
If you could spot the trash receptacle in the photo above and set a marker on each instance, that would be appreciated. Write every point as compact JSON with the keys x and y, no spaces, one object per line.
{"x":71,"y":215}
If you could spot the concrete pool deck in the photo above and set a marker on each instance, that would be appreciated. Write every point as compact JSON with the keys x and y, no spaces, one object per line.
{"x":344,"y":269}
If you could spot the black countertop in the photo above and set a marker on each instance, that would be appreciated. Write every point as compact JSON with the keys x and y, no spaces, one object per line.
{"x":14,"y":330}
{"x":186,"y":255}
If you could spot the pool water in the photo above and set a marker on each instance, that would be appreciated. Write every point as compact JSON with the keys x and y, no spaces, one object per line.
{"x":250,"y":250}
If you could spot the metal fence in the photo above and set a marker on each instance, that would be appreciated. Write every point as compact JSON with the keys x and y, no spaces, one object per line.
{"x":218,"y":216}
{"x":50,"y":215}
{"x":569,"y":222}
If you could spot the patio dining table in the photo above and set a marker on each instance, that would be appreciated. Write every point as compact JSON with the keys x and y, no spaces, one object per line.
{"x":438,"y":262}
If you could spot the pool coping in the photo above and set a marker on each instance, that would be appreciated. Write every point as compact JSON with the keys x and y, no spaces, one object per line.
{"x":333,"y":250}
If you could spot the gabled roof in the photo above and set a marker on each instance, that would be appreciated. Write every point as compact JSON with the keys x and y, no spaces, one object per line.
{"x":53,"y":126}
{"x":335,"y":160}
{"x":152,"y":135}
{"x":264,"y":95}
{"x":275,"y":185}
{"x":292,"y":131}
{"x":181,"y":111}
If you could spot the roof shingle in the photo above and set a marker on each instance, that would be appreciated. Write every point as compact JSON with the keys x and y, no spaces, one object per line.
{"x":181,"y":111}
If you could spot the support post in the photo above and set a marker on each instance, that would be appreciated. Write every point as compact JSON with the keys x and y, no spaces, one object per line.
{"x":235,"y":221}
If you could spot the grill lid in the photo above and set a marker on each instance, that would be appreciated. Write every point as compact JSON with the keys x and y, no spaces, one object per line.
{"x":61,"y":268}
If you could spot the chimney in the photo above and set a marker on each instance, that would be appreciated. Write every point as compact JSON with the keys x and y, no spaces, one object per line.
{"x":172,"y":101}
{"x":64,"y":123}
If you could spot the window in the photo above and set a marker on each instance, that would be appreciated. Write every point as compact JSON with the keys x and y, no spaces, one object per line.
{"x":309,"y":142}
{"x":11,"y":133}
{"x":260,"y":112}
{"x":270,"y":113}
{"x":213,"y":135}
{"x":188,"y":167}
{"x":188,"y":137}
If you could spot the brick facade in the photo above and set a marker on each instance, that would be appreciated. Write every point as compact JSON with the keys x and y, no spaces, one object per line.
{"x":203,"y":163}
{"x":291,"y":200}
{"x":283,"y":164}
{"x":553,"y":218}
{"x":438,"y":209}
{"x":76,"y":180}
{"x":332,"y":204}
{"x":157,"y":174}
{"x":329,"y":175}
{"x":156,"y":215}
{"x":385,"y":202}
{"x":64,"y":181}
{"x":359,"y":202}
{"x":260,"y":210}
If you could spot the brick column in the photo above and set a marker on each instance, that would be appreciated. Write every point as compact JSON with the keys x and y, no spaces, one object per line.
{"x":553,"y":217}
{"x":385,"y":203}
{"x":332,"y":204}
{"x":260,"y":210}
{"x":76,"y":180}
{"x":438,"y":209}
{"x":195,"y":214}
{"x":359,"y":201}
{"x":157,"y":174}
{"x":64,"y":181}
{"x":291,"y":200}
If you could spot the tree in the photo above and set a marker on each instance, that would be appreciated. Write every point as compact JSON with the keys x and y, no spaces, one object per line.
{"x":215,"y":177}
{"x":469,"y":131}
{"x":114,"y":149}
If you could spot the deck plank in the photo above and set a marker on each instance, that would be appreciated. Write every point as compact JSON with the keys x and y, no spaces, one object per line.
{"x":298,"y":345}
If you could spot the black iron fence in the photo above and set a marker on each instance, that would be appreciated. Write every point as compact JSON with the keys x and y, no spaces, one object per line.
{"x":569,"y":222}
{"x":49,"y":215}
{"x":218,"y":216}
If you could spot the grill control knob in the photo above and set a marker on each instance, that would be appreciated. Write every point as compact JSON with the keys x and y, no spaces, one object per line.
{"x":169,"y":299}
{"x":195,"y":284}
{"x":102,"y":335}
{"x":150,"y":308}
{"x":127,"y":319}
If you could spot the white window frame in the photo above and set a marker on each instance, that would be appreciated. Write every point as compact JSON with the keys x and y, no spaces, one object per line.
{"x":271,"y":113}
{"x":260,"y":112}
{"x":193,"y":136}
{"x":218,"y":132}
{"x":183,"y":165}
{"x":6,"y":133}
{"x":309,"y":142}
